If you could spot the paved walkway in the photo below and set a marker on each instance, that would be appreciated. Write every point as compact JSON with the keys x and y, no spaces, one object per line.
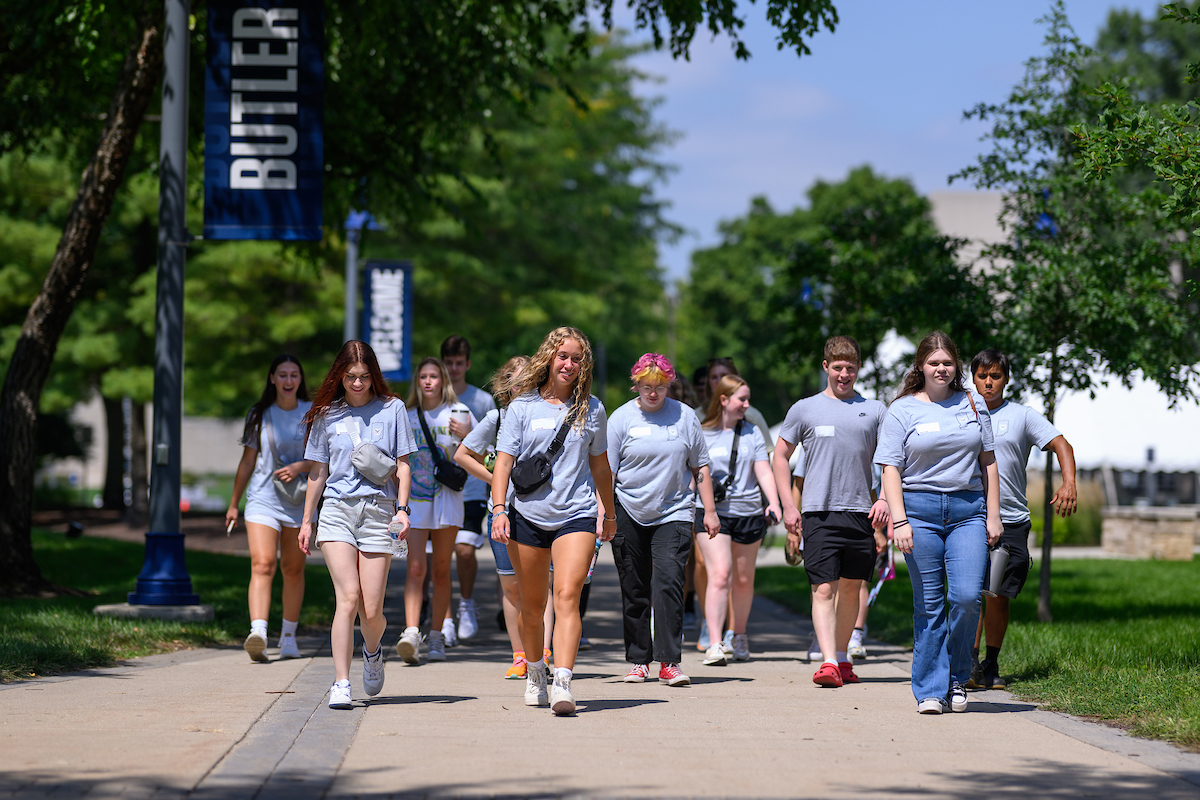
{"x":210,"y":724}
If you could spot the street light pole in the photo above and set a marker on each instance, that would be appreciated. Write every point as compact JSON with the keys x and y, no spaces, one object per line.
{"x":164,"y":580}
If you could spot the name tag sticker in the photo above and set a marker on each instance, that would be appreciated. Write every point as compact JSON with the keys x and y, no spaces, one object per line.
{"x":824,"y":431}
{"x":341,"y":428}
{"x":717,"y":452}
{"x":928,"y":427}
{"x":544,"y":424}
{"x":639,"y":431}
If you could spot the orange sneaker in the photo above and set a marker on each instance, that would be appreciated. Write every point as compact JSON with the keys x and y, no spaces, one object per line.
{"x":847,"y":670}
{"x":828,"y":675}
{"x":517,"y":671}
{"x":546,"y":656}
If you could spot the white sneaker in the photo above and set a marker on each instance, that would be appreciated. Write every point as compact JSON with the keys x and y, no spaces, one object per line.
{"x":468,"y":619}
{"x":372,"y":672}
{"x":727,"y":642}
{"x":288,"y":648}
{"x":741,"y":647}
{"x":958,"y":698}
{"x":702,"y":640}
{"x":562,"y":702}
{"x":857,"y":649}
{"x":409,"y":646}
{"x":436,"y":645}
{"x":814,"y":652}
{"x":930,"y":705}
{"x":256,"y":646}
{"x":339,"y":695}
{"x":535,"y":687}
{"x":449,"y":632}
{"x":715,"y":656}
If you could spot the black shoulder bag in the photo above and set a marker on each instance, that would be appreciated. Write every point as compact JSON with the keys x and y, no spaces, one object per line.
{"x":721,"y":490}
{"x":529,"y":474}
{"x":449,"y":474}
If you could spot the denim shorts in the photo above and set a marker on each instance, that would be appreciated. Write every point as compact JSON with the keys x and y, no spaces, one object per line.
{"x":358,"y":521}
{"x":500,"y":552}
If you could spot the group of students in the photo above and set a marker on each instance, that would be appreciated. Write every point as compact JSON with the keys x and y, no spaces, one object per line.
{"x":660,"y":480}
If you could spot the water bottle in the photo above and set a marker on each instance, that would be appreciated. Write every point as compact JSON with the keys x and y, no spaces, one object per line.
{"x":592,"y":566}
{"x":399,"y":546}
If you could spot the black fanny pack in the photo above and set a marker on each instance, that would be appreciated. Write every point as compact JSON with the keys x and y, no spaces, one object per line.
{"x":721,"y":490}
{"x":529,"y":474}
{"x":447,"y":473}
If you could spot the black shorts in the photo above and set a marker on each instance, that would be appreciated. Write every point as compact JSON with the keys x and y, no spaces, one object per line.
{"x":743,"y":530}
{"x":1016,"y":539}
{"x":523,"y":531}
{"x":474,"y":513}
{"x":837,"y":544}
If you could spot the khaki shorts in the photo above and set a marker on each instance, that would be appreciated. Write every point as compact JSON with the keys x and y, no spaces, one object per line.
{"x":358,"y":521}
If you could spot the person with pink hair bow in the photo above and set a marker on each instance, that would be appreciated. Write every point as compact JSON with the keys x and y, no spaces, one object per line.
{"x":656,"y":449}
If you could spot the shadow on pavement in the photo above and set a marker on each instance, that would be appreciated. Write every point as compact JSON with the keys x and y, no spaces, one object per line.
{"x":614,"y":705}
{"x":414,"y":699}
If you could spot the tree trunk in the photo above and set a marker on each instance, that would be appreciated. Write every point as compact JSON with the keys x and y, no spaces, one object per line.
{"x":138,"y":514}
{"x":1043,"y":606}
{"x":50,"y":310}
{"x":114,"y":463}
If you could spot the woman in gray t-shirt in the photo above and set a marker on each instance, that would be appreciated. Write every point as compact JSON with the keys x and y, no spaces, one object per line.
{"x":273,"y":447}
{"x":655,"y":446}
{"x":942,"y":488}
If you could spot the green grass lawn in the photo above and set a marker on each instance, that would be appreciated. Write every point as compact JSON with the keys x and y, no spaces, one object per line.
{"x":1124,"y":645}
{"x":45,"y":637}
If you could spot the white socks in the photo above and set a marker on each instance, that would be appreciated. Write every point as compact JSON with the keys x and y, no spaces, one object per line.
{"x":289,"y":627}
{"x":259,"y":626}
{"x":539,"y":664}
{"x":562,"y":673}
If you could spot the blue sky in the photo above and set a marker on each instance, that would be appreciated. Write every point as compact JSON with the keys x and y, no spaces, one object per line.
{"x":888,"y":88}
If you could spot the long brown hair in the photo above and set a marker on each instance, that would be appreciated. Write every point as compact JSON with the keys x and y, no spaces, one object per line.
{"x":332,"y":389}
{"x":537,"y":374}
{"x":725,"y":388}
{"x":414,"y":391}
{"x":914,"y":379}
{"x":254,"y":419}
{"x":502,"y":381}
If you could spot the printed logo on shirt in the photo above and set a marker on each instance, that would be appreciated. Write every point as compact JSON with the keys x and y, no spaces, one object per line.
{"x":928,"y":427}
{"x":824,"y":431}
{"x":377,"y":431}
{"x":964,"y":419}
{"x":672,"y":433}
{"x":1002,"y":427}
{"x":640,"y":431}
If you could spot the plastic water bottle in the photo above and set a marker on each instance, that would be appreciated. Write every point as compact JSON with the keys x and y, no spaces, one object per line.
{"x":592,"y":567}
{"x":399,"y":546}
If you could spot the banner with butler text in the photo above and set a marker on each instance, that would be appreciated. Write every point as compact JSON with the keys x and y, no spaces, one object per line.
{"x":263,"y":136}
{"x":387,"y":316}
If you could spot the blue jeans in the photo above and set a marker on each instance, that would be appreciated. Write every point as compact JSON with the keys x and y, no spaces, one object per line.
{"x":949,"y":546}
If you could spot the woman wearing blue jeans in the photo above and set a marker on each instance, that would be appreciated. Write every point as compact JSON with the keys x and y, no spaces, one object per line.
{"x":942,"y":488}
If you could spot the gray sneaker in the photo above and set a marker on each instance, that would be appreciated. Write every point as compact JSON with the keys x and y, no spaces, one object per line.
{"x":409,"y":646}
{"x":535,"y":686}
{"x":372,"y":672}
{"x":562,"y":702}
{"x":741,"y":647}
{"x":437,"y":646}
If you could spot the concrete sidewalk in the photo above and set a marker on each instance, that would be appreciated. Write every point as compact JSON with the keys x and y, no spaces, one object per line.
{"x":211,"y":724}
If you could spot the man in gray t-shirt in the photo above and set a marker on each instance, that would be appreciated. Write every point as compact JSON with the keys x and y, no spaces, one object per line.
{"x":839,"y":517}
{"x":1015,"y":430}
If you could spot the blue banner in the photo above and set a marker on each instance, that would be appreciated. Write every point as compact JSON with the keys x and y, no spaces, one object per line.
{"x":387,"y":316}
{"x":263,"y":135}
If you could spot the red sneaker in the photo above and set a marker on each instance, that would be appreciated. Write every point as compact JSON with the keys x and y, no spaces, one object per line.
{"x":637,"y":673}
{"x":828,"y":675}
{"x":847,"y":670}
{"x":671,"y":674}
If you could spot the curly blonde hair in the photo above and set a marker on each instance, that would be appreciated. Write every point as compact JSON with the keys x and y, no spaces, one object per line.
{"x":534,"y":376}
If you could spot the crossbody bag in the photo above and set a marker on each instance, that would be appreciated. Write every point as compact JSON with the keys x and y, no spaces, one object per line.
{"x":721,"y":490}
{"x":529,"y":474}
{"x":449,"y":474}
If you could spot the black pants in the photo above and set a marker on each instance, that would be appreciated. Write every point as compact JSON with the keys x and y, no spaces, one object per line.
{"x":651,"y":561}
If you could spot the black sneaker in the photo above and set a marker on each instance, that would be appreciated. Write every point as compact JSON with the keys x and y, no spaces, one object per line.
{"x":990,"y":677}
{"x":976,"y":679}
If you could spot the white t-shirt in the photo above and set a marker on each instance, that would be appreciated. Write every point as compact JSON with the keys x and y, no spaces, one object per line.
{"x":434,"y":505}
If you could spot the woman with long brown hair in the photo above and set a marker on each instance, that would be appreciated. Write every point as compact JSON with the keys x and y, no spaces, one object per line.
{"x":273,"y":449}
{"x":552,"y":446}
{"x":730,"y":555}
{"x":358,"y":442}
{"x":942,"y":487}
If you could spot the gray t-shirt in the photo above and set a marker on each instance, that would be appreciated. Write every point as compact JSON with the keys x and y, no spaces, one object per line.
{"x":530,"y":425}
{"x":1016,"y":429}
{"x":384,"y":424}
{"x":839,"y":439}
{"x":652,"y":458}
{"x":936,"y":445}
{"x":743,"y":498}
{"x":289,"y":430}
{"x":480,"y":403}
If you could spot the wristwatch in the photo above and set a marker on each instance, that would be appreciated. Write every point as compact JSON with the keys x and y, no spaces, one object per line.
{"x":405,"y":509}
